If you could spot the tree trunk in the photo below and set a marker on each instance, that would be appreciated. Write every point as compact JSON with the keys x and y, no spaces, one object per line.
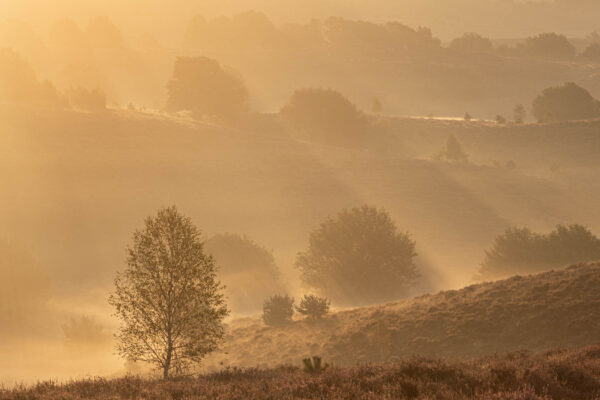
{"x":168,"y":361}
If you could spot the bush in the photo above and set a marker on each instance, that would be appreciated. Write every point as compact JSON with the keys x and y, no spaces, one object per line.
{"x":500,"y":119}
{"x":550,"y":46}
{"x":521,"y":251}
{"x":359,"y":257}
{"x":566,"y":102}
{"x":88,"y":100}
{"x":519,"y":114}
{"x":247,"y":269}
{"x":314,"y":307}
{"x":278,"y":310}
{"x":325,"y":115}
{"x":592,"y":52}
{"x":452,"y":151}
{"x":472,"y":43}
{"x":202,"y":86}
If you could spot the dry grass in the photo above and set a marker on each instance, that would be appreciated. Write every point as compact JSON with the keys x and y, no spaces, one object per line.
{"x":557,"y":374}
{"x":536,"y":313}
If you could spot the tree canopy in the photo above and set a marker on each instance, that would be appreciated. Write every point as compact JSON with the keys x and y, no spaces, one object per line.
{"x":566,"y":102}
{"x":522,"y":251}
{"x":359,"y":257}
{"x":202,"y":86}
{"x":168,"y":298}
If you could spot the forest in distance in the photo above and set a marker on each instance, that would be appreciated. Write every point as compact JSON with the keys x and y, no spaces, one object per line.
{"x":347,"y":199}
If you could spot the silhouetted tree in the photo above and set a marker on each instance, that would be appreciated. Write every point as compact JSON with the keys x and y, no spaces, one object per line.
{"x":202,"y":86}
{"x":472,"y":43}
{"x":592,"y":52}
{"x":325,"y":115}
{"x":168,"y":298}
{"x":359,"y":257}
{"x":278,"y":310}
{"x":247,"y":269}
{"x":549,"y":45}
{"x":314,"y":307}
{"x":85,"y":331}
{"x":521,"y":251}
{"x":519,"y":114}
{"x":376,"y":107}
{"x":468,"y":117}
{"x":452,"y":151}
{"x":566,"y":102}
{"x":500,"y":119}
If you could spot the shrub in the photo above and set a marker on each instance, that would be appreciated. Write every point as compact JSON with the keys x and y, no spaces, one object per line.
{"x":500,"y":119}
{"x":549,"y":45}
{"x":566,"y":102}
{"x":314,"y":365}
{"x":313,"y":307}
{"x":472,"y":43}
{"x":202,"y":86}
{"x":592,"y":52}
{"x":519,"y":250}
{"x":359,"y":257}
{"x":519,"y":114}
{"x":452,"y":151}
{"x":278,"y":310}
{"x":325,"y":115}
{"x":247,"y":269}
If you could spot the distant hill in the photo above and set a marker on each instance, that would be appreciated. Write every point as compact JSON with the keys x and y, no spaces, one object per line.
{"x":554,"y":309}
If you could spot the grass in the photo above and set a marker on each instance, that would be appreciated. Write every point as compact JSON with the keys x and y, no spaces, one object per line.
{"x":557,"y":374}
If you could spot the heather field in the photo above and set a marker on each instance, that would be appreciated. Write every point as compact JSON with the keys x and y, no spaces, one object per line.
{"x":558,"y":374}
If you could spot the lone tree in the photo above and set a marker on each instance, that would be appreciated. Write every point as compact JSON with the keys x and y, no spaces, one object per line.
{"x":359,"y":257}
{"x":314,"y":307}
{"x":202,"y":86}
{"x":452,"y":151}
{"x":278,"y":310}
{"x":566,"y":102}
{"x":522,"y":251}
{"x":325,"y":115}
{"x":519,"y":114}
{"x":168,"y":299}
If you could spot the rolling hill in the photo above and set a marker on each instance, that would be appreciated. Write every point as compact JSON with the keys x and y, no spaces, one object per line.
{"x":554,"y":309}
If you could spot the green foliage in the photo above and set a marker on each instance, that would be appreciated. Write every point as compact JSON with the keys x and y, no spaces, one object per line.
{"x":566,"y":102}
{"x":325,"y":115}
{"x":314,"y":365}
{"x":314,"y":307}
{"x":168,"y":298}
{"x":359,"y":257}
{"x":247,"y":269}
{"x":278,"y":310}
{"x":521,"y":251}
{"x":202,"y":86}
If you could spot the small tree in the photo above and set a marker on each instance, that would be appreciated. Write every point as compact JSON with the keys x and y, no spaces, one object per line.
{"x":566,"y":102}
{"x":314,"y":307}
{"x":549,"y":45}
{"x":325,"y":115}
{"x":359,"y":257}
{"x":278,"y":310}
{"x":168,"y":299}
{"x":468,"y":117}
{"x":500,"y":119}
{"x":202,"y":86}
{"x":472,"y":43}
{"x":519,"y":114}
{"x":453,"y":151}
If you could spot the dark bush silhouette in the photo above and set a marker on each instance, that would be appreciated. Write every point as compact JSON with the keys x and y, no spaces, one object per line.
{"x":566,"y":102}
{"x":247,"y":270}
{"x":359,"y":257}
{"x":472,"y":43}
{"x":325,"y":115}
{"x":500,"y":119}
{"x":278,"y":310}
{"x":314,"y":365}
{"x":521,"y":251}
{"x":550,"y":46}
{"x":314,"y":307}
{"x":453,"y":151}
{"x":202,"y":86}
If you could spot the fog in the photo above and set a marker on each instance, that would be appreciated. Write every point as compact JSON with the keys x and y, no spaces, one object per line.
{"x":89,"y":146}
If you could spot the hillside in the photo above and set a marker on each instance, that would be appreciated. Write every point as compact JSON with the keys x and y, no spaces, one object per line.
{"x":555,"y":375}
{"x":553,"y":309}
